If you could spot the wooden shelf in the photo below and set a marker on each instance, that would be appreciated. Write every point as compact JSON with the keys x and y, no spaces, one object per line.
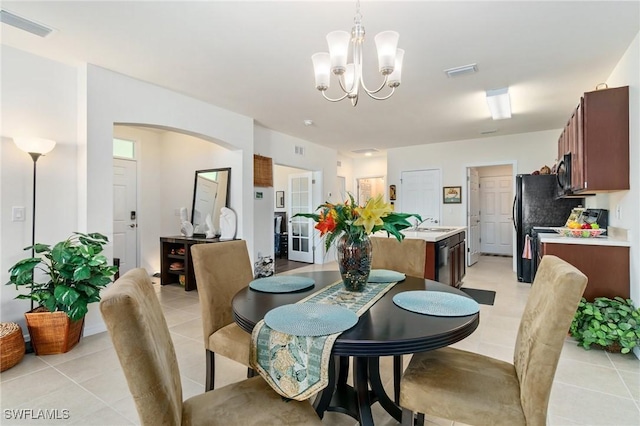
{"x":169,"y":247}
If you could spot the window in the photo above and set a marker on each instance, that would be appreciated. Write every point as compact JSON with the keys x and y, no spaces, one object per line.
{"x":123,"y":148}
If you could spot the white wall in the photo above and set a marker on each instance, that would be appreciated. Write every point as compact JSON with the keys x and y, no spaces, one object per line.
{"x":38,"y":99}
{"x":370,"y":167}
{"x":528,"y":152}
{"x":627,"y":73}
{"x":280,"y":148}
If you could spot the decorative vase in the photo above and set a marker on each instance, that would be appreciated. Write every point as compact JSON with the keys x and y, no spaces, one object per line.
{"x":354,"y":260}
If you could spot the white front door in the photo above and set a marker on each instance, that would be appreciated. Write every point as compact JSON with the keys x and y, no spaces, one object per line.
{"x":473,"y":241}
{"x":125,"y":214}
{"x":300,"y":229}
{"x":420,"y":193}
{"x":496,"y":197}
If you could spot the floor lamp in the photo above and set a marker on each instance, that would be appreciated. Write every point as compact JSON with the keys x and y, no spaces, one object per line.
{"x":35,"y":147}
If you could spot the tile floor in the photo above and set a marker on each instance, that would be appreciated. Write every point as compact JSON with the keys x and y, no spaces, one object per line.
{"x":590,"y":387}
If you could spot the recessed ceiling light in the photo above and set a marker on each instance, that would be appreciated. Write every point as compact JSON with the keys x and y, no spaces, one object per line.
{"x":463,"y":70}
{"x":308,"y":122}
{"x":499,"y":103}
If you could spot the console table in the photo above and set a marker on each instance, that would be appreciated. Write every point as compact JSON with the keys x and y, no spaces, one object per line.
{"x":175,"y":251}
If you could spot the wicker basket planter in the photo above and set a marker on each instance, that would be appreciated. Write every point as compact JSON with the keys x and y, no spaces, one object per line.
{"x":11,"y":345}
{"x":52,"y":332}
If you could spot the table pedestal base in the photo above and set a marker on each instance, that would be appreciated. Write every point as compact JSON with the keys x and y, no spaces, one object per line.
{"x":356,"y":400}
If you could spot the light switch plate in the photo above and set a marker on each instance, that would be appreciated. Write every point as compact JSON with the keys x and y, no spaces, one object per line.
{"x":17,"y":214}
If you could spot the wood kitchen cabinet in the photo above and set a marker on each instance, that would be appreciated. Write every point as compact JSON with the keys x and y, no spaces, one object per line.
{"x":606,"y":267}
{"x":597,"y":137}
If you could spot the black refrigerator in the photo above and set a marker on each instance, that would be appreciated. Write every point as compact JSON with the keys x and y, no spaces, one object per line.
{"x":535,"y":204}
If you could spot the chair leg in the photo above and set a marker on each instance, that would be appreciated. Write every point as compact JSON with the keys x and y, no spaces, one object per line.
{"x":397,"y":375}
{"x":408,"y":418}
{"x":211,"y":370}
{"x":251,"y":372}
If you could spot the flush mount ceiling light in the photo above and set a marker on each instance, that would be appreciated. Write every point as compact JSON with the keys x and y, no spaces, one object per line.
{"x":366,"y":151}
{"x":27,"y":25}
{"x":499,"y":103}
{"x":463,"y":70}
{"x":350,"y":74}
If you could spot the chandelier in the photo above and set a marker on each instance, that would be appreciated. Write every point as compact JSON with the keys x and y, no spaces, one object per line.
{"x":350,"y":74}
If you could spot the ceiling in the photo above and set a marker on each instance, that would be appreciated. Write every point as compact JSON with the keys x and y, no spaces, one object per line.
{"x":254,"y":58}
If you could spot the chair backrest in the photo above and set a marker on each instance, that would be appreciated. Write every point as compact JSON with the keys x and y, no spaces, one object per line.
{"x":408,"y":256}
{"x":221,"y":270}
{"x":141,"y":338}
{"x":551,"y":305}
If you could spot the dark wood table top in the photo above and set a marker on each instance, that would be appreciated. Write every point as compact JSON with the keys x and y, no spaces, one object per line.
{"x":385,"y":329}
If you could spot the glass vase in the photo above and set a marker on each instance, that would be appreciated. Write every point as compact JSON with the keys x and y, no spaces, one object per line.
{"x":354,"y":260}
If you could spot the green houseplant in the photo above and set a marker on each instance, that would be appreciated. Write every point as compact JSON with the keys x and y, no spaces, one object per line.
{"x":73,"y":272}
{"x":613,"y":324}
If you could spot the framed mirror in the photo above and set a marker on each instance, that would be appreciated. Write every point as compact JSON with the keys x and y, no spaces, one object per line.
{"x":210,"y":194}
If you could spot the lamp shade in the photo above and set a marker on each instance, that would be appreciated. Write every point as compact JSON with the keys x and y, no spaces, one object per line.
{"x":386,"y":45}
{"x":396,"y":76}
{"x":499,"y":103}
{"x":35,"y":145}
{"x":338,"y":42}
{"x":321,"y":68}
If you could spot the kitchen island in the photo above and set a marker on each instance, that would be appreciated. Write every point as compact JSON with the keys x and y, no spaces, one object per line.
{"x":604,"y":260}
{"x":445,"y":258}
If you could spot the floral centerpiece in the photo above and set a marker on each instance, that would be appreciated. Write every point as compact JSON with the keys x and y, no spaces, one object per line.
{"x":349,"y":226}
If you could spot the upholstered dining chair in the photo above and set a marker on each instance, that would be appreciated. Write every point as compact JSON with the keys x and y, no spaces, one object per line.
{"x":221,"y":270}
{"x":408,"y":257}
{"x":141,"y":338}
{"x":475,"y":389}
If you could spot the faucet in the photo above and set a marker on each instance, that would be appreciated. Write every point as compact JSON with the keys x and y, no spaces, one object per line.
{"x":417,"y":225}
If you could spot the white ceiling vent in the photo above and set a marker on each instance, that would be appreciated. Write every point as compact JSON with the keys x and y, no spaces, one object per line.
{"x":463,"y":70}
{"x":24,"y":24}
{"x":299,"y":150}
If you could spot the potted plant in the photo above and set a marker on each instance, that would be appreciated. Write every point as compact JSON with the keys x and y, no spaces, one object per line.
{"x":613,"y":324}
{"x":74,"y":273}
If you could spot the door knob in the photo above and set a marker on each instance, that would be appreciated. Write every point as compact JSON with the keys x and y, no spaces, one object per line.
{"x":133,"y":225}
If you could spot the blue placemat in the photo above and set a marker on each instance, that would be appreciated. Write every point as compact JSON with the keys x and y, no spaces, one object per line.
{"x":281,"y":284}
{"x":310,"y":319}
{"x":436,"y":303}
{"x":385,"y":276}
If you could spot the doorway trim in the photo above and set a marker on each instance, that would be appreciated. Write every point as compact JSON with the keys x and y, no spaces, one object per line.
{"x":514,"y":172}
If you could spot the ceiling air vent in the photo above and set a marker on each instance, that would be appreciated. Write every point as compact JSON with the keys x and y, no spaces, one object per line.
{"x":24,"y":24}
{"x":365,"y":151}
{"x":463,"y":70}
{"x":299,"y":150}
{"x":339,"y":163}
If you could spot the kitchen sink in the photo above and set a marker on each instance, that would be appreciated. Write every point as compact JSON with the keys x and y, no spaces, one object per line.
{"x":436,"y":229}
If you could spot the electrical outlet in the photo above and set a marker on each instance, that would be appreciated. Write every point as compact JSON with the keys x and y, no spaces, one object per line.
{"x":17,"y":214}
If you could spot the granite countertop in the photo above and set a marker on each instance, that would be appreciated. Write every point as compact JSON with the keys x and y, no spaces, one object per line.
{"x":597,"y":241}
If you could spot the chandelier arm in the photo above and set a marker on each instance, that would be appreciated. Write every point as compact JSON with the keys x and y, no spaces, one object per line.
{"x":393,"y":89}
{"x":331,"y":99}
{"x":371,"y":92}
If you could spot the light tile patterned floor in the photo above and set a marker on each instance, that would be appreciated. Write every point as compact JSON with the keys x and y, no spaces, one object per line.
{"x":590,"y":387}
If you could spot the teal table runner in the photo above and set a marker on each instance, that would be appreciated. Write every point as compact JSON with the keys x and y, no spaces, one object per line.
{"x":297,"y":367}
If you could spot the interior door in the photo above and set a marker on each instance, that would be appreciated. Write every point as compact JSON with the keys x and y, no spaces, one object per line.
{"x":420,"y":193}
{"x":473,"y":216}
{"x":301,"y":228}
{"x":125,"y":214}
{"x":496,"y":196}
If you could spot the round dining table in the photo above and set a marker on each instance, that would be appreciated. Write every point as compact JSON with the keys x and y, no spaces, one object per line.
{"x":384,"y":330}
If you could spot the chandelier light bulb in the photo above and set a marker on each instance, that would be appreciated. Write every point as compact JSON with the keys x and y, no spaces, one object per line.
{"x":395,"y":77}
{"x":386,"y":45}
{"x":338,"y":42}
{"x":322,"y":67}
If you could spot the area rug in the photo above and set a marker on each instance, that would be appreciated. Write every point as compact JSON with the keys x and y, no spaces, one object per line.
{"x":484,"y":297}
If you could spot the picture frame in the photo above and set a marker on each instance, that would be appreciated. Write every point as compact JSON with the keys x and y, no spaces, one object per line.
{"x":259,"y":195}
{"x":279,"y":199}
{"x":452,"y":195}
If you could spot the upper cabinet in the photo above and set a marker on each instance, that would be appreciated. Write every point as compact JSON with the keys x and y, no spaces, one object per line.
{"x":597,"y":137}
